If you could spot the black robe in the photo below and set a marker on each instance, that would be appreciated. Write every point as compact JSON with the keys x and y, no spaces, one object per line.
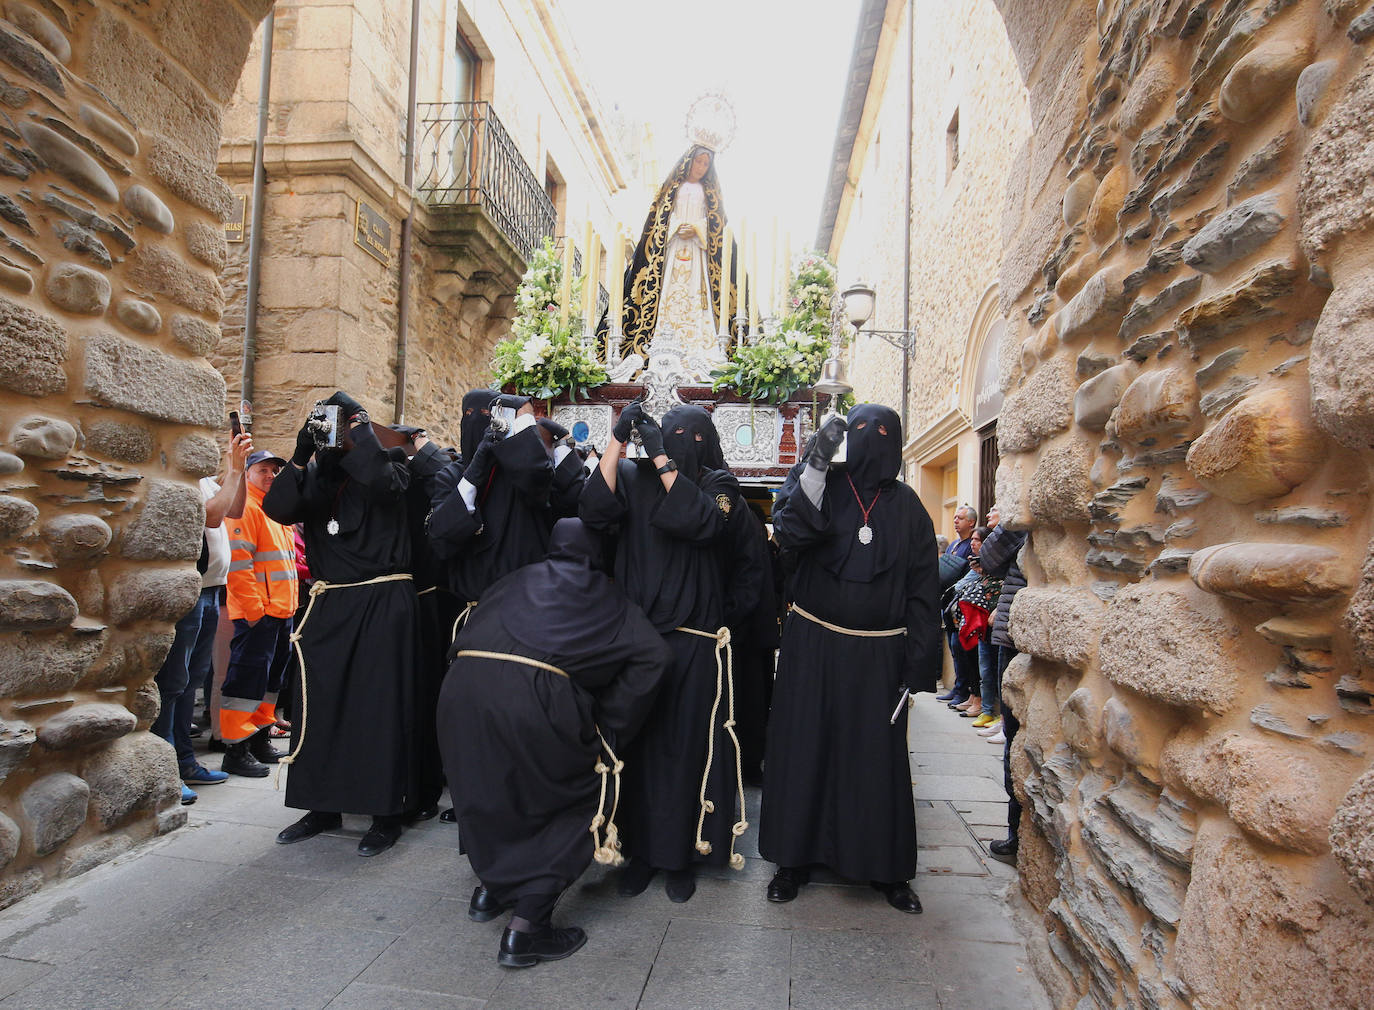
{"x":837,"y":780}
{"x":669,"y":561}
{"x":754,"y":632}
{"x":515,"y":512}
{"x":360,"y":753}
{"x":523,"y":741}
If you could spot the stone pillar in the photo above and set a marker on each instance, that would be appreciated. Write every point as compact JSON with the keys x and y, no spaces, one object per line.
{"x":109,"y":246}
{"x":1187,"y":436}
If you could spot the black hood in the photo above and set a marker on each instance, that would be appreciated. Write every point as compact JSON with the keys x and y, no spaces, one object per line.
{"x":873,"y":450}
{"x":690,"y":453}
{"x":476,"y":420}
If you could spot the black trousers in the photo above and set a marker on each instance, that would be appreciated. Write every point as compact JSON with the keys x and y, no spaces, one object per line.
{"x":1005,"y":654}
{"x":537,"y":908}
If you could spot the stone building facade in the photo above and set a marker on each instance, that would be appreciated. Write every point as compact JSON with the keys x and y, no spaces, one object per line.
{"x":109,"y":302}
{"x":505,"y":120}
{"x":1182,"y":264}
{"x":968,"y":119}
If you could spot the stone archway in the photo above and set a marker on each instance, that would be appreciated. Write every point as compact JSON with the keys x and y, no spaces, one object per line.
{"x":112,"y":238}
{"x":1187,"y":433}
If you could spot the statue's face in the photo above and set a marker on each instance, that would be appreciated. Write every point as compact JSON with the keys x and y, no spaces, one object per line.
{"x":701,"y":164}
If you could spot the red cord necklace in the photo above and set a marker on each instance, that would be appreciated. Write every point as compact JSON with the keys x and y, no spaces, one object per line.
{"x":865,"y":531}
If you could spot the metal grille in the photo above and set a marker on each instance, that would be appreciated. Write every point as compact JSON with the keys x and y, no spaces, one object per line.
{"x":987,"y":470}
{"x":467,"y":157}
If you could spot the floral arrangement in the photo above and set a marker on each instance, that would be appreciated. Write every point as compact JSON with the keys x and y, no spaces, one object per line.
{"x":542,"y":358}
{"x":778,"y":364}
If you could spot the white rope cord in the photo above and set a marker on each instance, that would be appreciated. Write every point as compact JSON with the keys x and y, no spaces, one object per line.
{"x":461,"y":620}
{"x":319,"y":589}
{"x":725,"y":681}
{"x":607,"y":851}
{"x":888,"y":633}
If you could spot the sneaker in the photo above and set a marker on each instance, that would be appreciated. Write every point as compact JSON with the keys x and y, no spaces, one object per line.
{"x":1004,"y":850}
{"x":991,"y":729}
{"x":983,"y":720}
{"x":949,"y":695}
{"x":188,"y":795}
{"x":998,"y":738}
{"x":198,"y":774}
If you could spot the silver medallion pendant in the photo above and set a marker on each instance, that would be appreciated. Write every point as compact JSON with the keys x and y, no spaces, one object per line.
{"x":332,"y":527}
{"x":865,"y":534}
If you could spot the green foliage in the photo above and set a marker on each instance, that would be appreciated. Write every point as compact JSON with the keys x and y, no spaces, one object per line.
{"x":778,"y":364}
{"x":542,"y":358}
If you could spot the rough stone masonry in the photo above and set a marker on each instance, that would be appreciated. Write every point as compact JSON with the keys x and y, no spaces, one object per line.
{"x":1187,"y":435}
{"x":110,"y":114}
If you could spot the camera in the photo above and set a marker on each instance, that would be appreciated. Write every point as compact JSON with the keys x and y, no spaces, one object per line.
{"x":324,"y":426}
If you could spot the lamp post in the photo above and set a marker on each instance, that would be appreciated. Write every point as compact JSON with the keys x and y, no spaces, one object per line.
{"x":859,"y":301}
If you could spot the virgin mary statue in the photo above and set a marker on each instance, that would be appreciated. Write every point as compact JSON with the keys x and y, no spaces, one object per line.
{"x":674,"y":282}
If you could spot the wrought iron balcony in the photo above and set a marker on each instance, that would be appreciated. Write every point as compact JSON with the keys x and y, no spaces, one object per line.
{"x":466,"y":157}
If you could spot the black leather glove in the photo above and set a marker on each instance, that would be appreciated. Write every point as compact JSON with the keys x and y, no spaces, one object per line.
{"x":652,"y":436}
{"x":512,"y":401}
{"x":348,"y":407}
{"x":305,"y":446}
{"x":632,"y":413}
{"x":478,"y":471}
{"x":827,"y":443}
{"x":556,"y":430}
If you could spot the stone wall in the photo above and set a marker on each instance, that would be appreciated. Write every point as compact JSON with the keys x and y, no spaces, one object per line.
{"x":1190,"y":265}
{"x":111,"y":238}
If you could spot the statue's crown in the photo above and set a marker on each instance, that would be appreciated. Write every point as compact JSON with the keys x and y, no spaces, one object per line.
{"x":711,"y":122}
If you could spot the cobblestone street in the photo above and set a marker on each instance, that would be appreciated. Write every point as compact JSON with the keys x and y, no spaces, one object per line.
{"x":218,"y":915}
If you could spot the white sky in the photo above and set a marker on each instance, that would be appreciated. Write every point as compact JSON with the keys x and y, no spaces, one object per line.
{"x":782,"y":63}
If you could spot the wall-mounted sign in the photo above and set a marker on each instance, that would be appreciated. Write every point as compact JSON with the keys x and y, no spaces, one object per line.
{"x":235,"y":226}
{"x":372,"y":232}
{"x":987,"y":390}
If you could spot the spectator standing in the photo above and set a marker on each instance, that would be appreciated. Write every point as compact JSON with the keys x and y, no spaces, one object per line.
{"x":189,"y":658}
{"x":262,"y":597}
{"x":965,"y":661}
{"x":998,"y":559}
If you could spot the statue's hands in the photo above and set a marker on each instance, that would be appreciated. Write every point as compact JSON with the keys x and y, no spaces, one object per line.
{"x":827,"y":443}
{"x":632,"y":413}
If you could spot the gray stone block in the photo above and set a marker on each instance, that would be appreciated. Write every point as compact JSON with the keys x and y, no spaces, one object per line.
{"x":33,"y":348}
{"x":207,"y":244}
{"x":194,"y":335}
{"x":55,"y":807}
{"x":150,"y":211}
{"x":40,"y":28}
{"x":10,"y":836}
{"x":46,"y":663}
{"x":1235,"y":234}
{"x":16,"y":740}
{"x":156,"y":594}
{"x":197,"y":455}
{"x":109,"y":128}
{"x":135,"y":772}
{"x":122,"y":373}
{"x":16,"y":515}
{"x":86,"y":725}
{"x":10,"y":464}
{"x":75,"y":538}
{"x":78,"y":289}
{"x":42,"y":437}
{"x":33,"y":605}
{"x":160,"y":270}
{"x":138,"y":315}
{"x":170,"y":525}
{"x":128,"y":443}
{"x":30,"y":60}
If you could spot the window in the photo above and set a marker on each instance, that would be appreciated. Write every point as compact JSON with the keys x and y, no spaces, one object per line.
{"x":949,"y":496}
{"x":987,"y":469}
{"x":952,"y":145}
{"x":465,"y":70}
{"x":557,"y":191}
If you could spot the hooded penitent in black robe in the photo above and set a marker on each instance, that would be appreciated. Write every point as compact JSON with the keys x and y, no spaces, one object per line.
{"x":360,"y":745}
{"x":515,"y":508}
{"x":522,"y":740}
{"x":438,"y":608}
{"x":669,"y":560}
{"x":836,"y":780}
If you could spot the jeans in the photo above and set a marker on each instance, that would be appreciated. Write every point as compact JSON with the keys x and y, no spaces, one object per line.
{"x":965,"y":667}
{"x":190,"y":654}
{"x":989,"y":675}
{"x":1005,"y":654}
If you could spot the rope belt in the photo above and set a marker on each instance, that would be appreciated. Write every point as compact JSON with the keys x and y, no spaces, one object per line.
{"x":461,"y":620}
{"x":426,"y":592}
{"x":725,"y":682}
{"x":317,"y":590}
{"x":605,"y":850}
{"x":857,"y":633}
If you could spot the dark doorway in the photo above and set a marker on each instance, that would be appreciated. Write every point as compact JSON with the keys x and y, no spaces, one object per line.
{"x":987,"y":469}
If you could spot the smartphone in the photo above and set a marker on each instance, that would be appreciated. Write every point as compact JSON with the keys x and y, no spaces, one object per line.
{"x":246,"y":416}
{"x":235,"y":427}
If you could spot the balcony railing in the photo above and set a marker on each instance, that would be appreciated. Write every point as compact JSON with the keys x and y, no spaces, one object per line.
{"x":467,"y":157}
{"x":603,"y":297}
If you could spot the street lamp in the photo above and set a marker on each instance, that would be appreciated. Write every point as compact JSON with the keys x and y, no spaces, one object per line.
{"x":859,"y":300}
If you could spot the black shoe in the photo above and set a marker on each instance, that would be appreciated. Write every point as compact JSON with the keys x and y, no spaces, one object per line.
{"x":957,"y":700}
{"x":216,"y":746}
{"x":449,"y":816}
{"x":524,"y":950}
{"x":380,"y":837}
{"x":483,"y":907}
{"x":239,"y":760}
{"x":1005,"y":850}
{"x":308,"y":827}
{"x":900,"y":896}
{"x":261,"y":747}
{"x":195,"y":732}
{"x":786,"y":883}
{"x":423,"y":814}
{"x":635,"y":877}
{"x":680,"y":885}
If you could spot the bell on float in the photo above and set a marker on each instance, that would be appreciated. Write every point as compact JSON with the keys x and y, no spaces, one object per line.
{"x":832,"y":381}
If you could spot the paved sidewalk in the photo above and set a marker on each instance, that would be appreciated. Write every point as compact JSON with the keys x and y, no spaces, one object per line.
{"x":218,"y":915}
